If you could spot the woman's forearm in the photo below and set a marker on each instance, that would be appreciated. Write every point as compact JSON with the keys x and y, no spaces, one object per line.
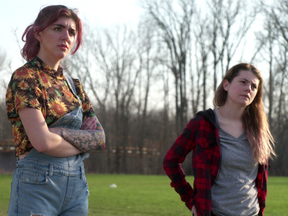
{"x":90,"y":137}
{"x":85,"y":140}
{"x":62,"y":148}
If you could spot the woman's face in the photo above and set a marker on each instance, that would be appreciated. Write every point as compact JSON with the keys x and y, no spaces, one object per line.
{"x":56,"y":41}
{"x":242,"y":89}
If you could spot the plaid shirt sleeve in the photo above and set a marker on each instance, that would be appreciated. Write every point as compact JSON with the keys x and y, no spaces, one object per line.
{"x":261,"y":183}
{"x":202,"y":137}
{"x":176,"y":155}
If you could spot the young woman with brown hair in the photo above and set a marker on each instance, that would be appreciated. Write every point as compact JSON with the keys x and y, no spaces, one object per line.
{"x":231,"y":146}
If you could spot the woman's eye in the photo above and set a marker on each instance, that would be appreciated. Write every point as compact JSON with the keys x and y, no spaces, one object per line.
{"x":57,"y":29}
{"x":72,"y":33}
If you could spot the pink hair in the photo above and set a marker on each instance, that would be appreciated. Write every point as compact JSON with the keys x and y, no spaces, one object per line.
{"x":46,"y":17}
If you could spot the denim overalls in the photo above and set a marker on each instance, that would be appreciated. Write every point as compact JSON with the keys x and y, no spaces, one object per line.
{"x":51,"y":186}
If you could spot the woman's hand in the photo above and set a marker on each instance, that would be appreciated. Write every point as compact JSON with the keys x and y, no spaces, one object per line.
{"x":90,"y":137}
{"x":193,"y":211}
{"x":42,"y":138}
{"x":90,"y":123}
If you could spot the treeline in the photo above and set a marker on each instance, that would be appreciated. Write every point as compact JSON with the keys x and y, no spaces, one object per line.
{"x":146,"y":82}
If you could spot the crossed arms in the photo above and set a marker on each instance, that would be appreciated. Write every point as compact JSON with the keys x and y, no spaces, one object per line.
{"x":61,"y":142}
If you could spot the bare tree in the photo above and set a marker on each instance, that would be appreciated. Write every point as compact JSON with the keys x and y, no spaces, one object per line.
{"x":148,"y":53}
{"x":275,"y":46}
{"x":174,"y":23}
{"x":5,"y":125}
{"x":4,"y":68}
{"x":112,"y":68}
{"x":217,"y":46}
{"x":202,"y":39}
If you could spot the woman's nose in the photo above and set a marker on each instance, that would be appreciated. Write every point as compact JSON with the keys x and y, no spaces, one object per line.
{"x":248,"y":88}
{"x":65,"y":35}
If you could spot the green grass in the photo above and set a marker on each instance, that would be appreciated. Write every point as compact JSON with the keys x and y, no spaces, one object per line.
{"x":135,"y":195}
{"x":5,"y":185}
{"x":277,"y":199}
{"x":138,"y":195}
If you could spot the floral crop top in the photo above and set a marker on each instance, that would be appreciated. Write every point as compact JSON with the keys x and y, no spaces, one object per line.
{"x":36,"y":85}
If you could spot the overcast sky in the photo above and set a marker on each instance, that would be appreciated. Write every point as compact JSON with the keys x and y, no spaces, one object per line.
{"x":18,"y":14}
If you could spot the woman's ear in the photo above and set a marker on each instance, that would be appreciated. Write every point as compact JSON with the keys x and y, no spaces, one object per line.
{"x":37,"y":34}
{"x":226,"y":84}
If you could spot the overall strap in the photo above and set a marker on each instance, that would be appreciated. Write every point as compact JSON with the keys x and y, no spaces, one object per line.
{"x":72,"y":86}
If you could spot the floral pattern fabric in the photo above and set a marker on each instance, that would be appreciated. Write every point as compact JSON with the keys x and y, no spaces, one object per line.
{"x":36,"y":85}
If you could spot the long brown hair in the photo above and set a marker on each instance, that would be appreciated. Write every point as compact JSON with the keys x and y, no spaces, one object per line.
{"x":254,"y":118}
{"x":46,"y":17}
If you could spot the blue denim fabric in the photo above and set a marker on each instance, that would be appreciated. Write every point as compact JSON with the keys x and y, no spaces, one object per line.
{"x":47,"y":188}
{"x":51,"y":186}
{"x":72,"y":120}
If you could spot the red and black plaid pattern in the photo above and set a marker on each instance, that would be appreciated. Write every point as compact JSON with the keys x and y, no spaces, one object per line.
{"x":202,"y":137}
{"x":261,"y":184}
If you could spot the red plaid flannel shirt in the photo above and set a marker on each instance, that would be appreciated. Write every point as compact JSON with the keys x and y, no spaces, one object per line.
{"x":202,"y":137}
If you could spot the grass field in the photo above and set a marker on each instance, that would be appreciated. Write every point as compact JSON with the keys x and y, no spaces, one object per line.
{"x":139,"y":195}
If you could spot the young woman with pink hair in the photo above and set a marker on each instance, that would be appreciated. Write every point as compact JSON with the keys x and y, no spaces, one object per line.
{"x":54,"y":123}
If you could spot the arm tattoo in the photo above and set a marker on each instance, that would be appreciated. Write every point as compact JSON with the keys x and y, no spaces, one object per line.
{"x":85,"y":140}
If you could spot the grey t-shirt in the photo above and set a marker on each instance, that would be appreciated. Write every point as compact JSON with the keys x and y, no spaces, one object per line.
{"x":234,"y":191}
